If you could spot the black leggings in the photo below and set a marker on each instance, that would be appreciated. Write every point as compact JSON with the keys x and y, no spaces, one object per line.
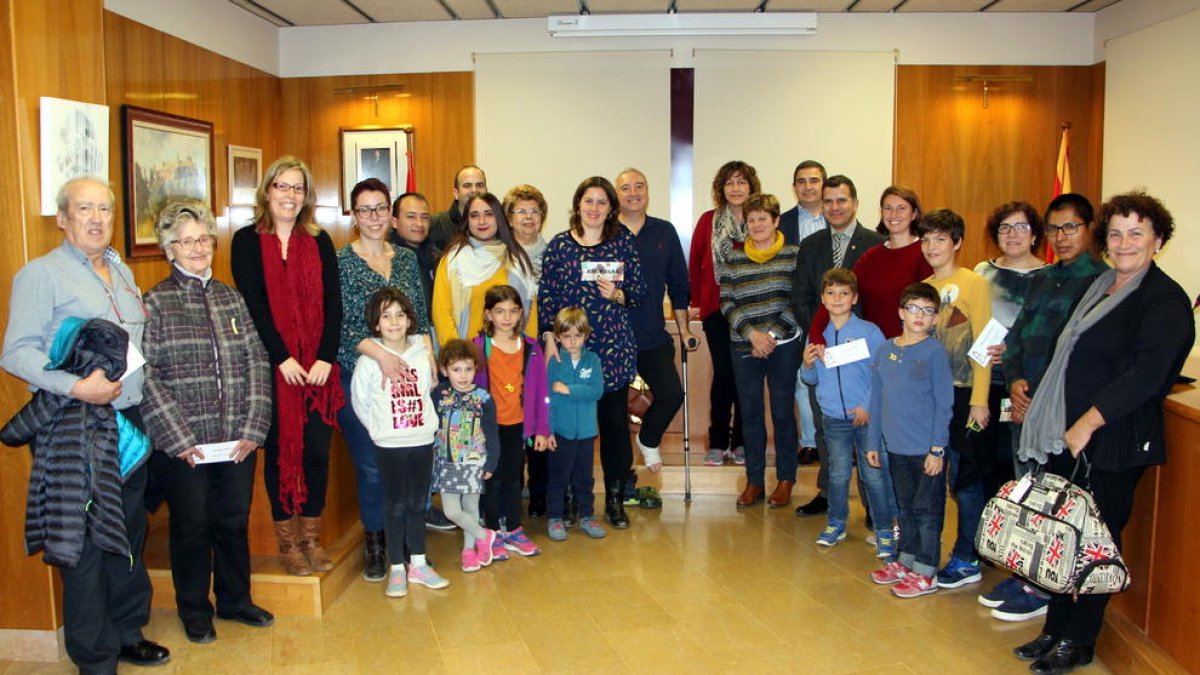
{"x":405,"y":474}
{"x":612,"y":417}
{"x":502,"y":492}
{"x":724,"y":430}
{"x":657,"y":368}
{"x":316,"y":466}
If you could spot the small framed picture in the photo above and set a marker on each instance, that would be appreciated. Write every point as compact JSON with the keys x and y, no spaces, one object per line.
{"x":165,"y":156}
{"x":245,"y":173}
{"x":375,"y":153}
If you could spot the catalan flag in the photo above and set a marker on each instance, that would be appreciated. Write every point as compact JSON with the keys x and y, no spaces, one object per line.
{"x":1062,"y":178}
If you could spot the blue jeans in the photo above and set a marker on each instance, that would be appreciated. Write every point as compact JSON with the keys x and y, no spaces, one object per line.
{"x":843,"y":441}
{"x":922,"y":502}
{"x":808,"y":425}
{"x":366,"y":469}
{"x":779,"y":370}
{"x":971,"y":500}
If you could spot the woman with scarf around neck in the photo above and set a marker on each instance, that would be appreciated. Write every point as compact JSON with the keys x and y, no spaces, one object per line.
{"x":1115,"y":361}
{"x":717,"y":233}
{"x":596,"y":236}
{"x":366,"y":265}
{"x":483,"y":255}
{"x":756,"y":287}
{"x":207,"y":381}
{"x":286,"y":268}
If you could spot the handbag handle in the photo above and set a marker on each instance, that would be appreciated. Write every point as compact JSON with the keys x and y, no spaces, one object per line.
{"x":1087,"y":471}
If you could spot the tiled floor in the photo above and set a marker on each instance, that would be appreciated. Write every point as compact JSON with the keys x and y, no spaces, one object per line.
{"x":694,"y":588}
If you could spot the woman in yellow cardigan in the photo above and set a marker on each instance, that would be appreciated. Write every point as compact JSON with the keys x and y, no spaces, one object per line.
{"x":480,"y":257}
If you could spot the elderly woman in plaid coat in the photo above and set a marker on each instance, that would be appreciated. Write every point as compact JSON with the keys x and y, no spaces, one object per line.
{"x":207,"y":382}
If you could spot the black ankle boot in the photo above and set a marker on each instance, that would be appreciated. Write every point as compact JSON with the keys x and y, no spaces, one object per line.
{"x":1063,"y":658}
{"x":614,"y":504}
{"x":375,"y":569}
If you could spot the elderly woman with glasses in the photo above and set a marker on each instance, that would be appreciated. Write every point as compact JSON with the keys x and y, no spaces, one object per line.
{"x":366,"y":265}
{"x":208,"y":387}
{"x":525,"y":207}
{"x":286,"y":268}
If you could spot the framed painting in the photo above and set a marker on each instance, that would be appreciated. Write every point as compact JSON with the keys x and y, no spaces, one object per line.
{"x":245,"y":173}
{"x":165,"y":156}
{"x":74,"y":143}
{"x":375,"y":153}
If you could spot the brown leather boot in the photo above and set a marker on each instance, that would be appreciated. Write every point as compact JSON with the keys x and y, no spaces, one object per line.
{"x":782,"y":495}
{"x":287,"y":532}
{"x":310,"y":544}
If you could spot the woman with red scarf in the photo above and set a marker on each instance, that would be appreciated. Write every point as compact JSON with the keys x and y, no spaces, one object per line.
{"x":286,"y":268}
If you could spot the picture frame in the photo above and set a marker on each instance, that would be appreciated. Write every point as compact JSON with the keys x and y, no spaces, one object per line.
{"x":165,"y":156}
{"x":245,"y":173}
{"x":374,"y":152}
{"x":74,"y":138}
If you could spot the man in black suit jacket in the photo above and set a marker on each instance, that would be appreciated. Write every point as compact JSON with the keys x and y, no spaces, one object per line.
{"x":840,"y":205}
{"x":807,"y":181}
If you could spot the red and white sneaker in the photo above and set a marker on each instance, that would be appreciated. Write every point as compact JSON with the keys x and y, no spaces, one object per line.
{"x":892,"y":573}
{"x":915,"y":585}
{"x":485,"y":547}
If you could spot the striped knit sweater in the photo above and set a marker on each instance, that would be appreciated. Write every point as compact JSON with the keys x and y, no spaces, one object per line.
{"x":756,"y":296}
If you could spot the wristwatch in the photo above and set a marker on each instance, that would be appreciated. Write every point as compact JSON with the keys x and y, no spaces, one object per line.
{"x":937,"y":451}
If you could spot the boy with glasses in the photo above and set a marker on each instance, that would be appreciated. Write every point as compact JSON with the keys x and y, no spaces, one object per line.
{"x":912,"y":397}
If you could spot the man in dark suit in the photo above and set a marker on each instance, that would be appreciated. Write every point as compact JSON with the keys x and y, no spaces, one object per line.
{"x":806,"y":217}
{"x":840,"y":244}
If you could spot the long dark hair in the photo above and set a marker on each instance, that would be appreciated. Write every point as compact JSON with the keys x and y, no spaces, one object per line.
{"x":612,"y":226}
{"x":503,"y":232}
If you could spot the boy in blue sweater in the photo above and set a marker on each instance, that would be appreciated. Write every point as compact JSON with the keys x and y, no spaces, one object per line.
{"x":912,"y":399}
{"x":844,"y":394}
{"x":576,"y":384}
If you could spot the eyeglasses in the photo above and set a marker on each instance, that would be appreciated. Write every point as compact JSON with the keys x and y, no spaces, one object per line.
{"x":527,"y":212}
{"x":378,"y":210}
{"x":188,"y":245}
{"x":298,"y":188}
{"x":1005,"y":228}
{"x":1065,"y":228}
{"x":918,"y":310}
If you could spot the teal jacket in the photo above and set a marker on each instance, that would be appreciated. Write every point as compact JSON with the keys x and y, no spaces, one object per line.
{"x":573,"y":415}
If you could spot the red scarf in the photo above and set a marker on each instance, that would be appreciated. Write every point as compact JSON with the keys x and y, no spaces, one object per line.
{"x":295,"y":294}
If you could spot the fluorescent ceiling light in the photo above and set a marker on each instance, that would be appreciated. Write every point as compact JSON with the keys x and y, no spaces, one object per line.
{"x":632,"y":25}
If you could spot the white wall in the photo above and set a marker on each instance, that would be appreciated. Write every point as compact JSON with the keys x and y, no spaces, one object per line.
{"x":215,"y":25}
{"x":920,"y":38}
{"x":1152,"y":133}
{"x":554,"y":119}
{"x":1128,"y":16}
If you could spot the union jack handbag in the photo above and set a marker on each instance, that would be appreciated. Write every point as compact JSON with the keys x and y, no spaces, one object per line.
{"x":1048,"y":530}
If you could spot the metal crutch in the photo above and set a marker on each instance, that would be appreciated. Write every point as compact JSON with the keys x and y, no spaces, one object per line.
{"x":687,"y":432}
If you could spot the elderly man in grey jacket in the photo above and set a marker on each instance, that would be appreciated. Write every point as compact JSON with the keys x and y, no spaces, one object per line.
{"x":106,"y":597}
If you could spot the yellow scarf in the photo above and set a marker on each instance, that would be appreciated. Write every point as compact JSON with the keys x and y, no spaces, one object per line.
{"x":762,"y":255}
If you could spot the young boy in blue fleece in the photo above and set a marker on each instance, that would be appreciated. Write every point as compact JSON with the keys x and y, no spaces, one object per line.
{"x":576,"y":383}
{"x":912,"y":399}
{"x":844,"y":394}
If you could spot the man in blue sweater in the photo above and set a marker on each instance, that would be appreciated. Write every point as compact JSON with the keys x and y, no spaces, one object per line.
{"x":664,"y":270}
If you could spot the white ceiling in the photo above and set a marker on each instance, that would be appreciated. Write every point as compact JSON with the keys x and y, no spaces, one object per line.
{"x":333,"y":12}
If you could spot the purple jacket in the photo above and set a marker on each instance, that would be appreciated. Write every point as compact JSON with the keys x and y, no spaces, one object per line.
{"x":535,"y":394}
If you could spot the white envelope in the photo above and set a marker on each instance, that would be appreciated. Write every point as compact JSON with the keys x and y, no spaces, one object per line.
{"x":133,"y":359}
{"x":849,"y":352}
{"x":993,"y":334}
{"x":216,"y":452}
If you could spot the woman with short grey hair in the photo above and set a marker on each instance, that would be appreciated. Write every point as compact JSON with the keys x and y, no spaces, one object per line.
{"x":207,"y":409}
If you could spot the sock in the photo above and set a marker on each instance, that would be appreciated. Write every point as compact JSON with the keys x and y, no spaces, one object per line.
{"x":417,"y":560}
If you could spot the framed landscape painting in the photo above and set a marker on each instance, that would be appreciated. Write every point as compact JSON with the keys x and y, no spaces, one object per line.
{"x":165,"y":156}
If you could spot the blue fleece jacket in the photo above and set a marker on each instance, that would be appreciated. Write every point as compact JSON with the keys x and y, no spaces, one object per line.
{"x":846,"y":387}
{"x":912,"y":398}
{"x":573,"y":415}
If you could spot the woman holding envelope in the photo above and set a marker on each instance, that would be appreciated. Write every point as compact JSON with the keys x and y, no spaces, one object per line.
{"x":207,"y":409}
{"x":766,"y":343}
{"x":595,"y":266}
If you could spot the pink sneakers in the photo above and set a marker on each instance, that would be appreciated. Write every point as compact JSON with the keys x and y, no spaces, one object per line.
{"x":517,"y":541}
{"x":915,"y":585}
{"x":470,"y":560}
{"x":498,"y":550}
{"x":485,"y":547}
{"x":892,"y":573}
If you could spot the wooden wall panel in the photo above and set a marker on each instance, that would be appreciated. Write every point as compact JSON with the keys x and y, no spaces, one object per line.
{"x":151,"y":69}
{"x":957,"y":154}
{"x":440,"y":106}
{"x":33,"y":66}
